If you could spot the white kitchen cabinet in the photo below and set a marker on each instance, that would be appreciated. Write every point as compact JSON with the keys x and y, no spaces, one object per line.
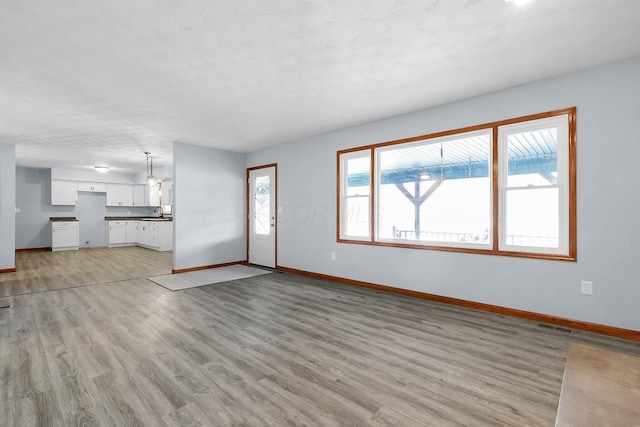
{"x":131,"y":232}
{"x":92,"y":187}
{"x":149,"y":235}
{"x":119,"y":195}
{"x":65,"y":236}
{"x":64,"y":192}
{"x":167,"y":192}
{"x":152,"y":195}
{"x":138,"y":195}
{"x":117,"y":233}
{"x":156,"y":235}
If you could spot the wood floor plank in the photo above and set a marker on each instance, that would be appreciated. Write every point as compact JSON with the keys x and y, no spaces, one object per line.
{"x":188,"y":416}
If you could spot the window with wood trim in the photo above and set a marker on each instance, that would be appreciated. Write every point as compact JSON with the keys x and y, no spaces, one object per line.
{"x":503,"y":188}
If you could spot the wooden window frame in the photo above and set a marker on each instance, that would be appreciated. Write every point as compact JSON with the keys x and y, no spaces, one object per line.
{"x":571,"y":254}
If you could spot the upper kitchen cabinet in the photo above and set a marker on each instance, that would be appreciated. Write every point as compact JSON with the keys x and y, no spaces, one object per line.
{"x":120,"y":195}
{"x":92,"y":187}
{"x":152,"y":195}
{"x":64,"y":192}
{"x":167,"y":192}
{"x":138,"y":195}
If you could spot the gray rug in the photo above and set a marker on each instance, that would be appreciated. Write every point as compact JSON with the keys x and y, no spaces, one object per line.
{"x":193,"y":279}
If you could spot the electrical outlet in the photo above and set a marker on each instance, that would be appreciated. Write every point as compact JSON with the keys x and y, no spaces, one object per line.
{"x":586,"y":287}
{"x":333,"y":256}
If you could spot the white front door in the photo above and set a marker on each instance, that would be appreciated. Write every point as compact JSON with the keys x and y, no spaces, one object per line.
{"x":262,"y":216}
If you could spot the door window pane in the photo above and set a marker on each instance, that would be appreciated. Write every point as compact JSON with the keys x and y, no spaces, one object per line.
{"x":262,"y":206}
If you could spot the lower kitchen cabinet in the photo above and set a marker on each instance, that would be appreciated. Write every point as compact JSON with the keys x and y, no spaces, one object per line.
{"x":131,"y":232}
{"x":65,"y":236}
{"x":117,"y":233}
{"x":156,"y":235}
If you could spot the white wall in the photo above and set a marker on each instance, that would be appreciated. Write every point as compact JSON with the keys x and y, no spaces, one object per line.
{"x":209,"y":213}
{"x":608,"y":201}
{"x":7,"y":206}
{"x":95,"y":176}
{"x":33,"y":198}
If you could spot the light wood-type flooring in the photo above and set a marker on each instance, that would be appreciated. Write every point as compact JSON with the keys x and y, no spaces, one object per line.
{"x":273,"y":350}
{"x":44,"y":271}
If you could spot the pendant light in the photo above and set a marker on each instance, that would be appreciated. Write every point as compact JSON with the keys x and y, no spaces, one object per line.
{"x":151,"y":180}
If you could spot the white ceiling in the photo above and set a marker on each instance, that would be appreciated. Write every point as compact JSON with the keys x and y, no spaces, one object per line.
{"x":87,"y":82}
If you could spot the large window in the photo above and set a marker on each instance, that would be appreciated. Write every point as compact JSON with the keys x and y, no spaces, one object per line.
{"x":505,"y":188}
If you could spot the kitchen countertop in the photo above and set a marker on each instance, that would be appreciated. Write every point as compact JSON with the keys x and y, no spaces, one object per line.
{"x":62,"y":218}
{"x":136,"y":218}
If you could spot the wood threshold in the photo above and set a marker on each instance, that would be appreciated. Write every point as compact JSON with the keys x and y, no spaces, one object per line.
{"x":43,"y":249}
{"x":7,"y":270}
{"x":206,"y":267}
{"x":512,"y":312}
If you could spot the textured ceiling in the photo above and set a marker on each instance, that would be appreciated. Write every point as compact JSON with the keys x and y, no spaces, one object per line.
{"x":86,"y":82}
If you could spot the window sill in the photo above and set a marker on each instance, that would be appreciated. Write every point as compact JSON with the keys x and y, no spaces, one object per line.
{"x":532,"y":255}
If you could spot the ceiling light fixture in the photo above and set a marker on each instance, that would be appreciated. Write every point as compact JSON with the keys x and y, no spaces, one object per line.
{"x":150,"y":178}
{"x":102,"y":169}
{"x":424,"y":176}
{"x":517,"y":2}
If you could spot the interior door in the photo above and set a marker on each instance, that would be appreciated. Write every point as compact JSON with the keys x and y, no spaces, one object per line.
{"x":262,"y":216}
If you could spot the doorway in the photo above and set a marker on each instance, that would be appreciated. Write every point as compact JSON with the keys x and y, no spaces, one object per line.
{"x":262,"y":218}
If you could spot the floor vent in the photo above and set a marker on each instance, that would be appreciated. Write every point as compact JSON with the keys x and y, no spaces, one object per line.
{"x":556,"y":328}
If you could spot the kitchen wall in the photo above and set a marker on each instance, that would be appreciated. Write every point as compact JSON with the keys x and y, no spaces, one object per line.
{"x":161,"y":172}
{"x":209,"y":212}
{"x":608,"y":201}
{"x":95,"y":176}
{"x":33,"y":198}
{"x":7,"y":205}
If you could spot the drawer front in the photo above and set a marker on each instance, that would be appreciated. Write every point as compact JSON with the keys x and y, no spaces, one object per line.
{"x":59,"y":225}
{"x":117,"y":222}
